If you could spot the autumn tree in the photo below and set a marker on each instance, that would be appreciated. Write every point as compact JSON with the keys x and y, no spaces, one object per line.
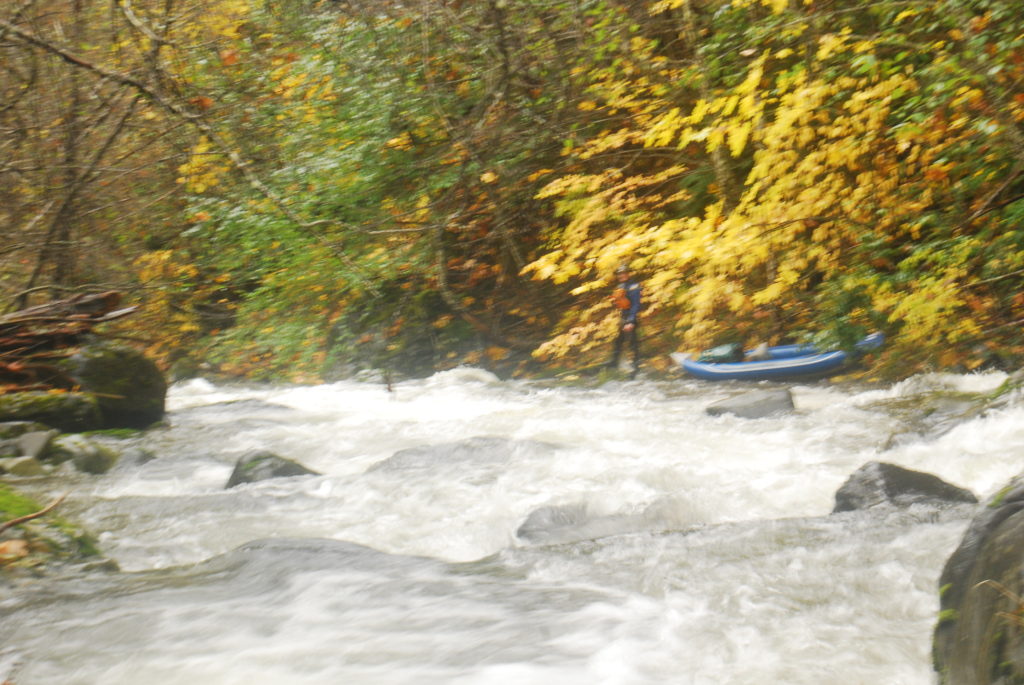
{"x":878,"y":155}
{"x":79,"y":169}
{"x":403,"y":147}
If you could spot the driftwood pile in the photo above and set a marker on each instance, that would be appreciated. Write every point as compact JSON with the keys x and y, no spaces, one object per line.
{"x":33,"y":340}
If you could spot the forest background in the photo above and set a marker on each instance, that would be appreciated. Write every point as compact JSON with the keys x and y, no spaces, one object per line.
{"x":298,"y":189}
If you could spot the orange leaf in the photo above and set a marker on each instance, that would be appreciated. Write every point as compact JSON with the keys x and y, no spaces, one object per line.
{"x":13,"y":549}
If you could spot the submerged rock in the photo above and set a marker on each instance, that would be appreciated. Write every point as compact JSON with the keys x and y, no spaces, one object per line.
{"x":979,"y":638}
{"x":476,"y":451}
{"x":756,"y":404}
{"x":564,"y":523}
{"x":542,"y":522}
{"x":260,"y":465}
{"x":880,"y":484}
{"x":931,"y":415}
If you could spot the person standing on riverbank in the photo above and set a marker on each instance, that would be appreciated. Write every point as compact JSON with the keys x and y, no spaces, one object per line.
{"x":626,"y":298}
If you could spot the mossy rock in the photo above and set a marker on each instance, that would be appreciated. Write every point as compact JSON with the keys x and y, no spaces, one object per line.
{"x":129,"y":387}
{"x":261,"y":465}
{"x":87,"y":455}
{"x":70,"y":412}
{"x":10,"y":430}
{"x":43,"y":541}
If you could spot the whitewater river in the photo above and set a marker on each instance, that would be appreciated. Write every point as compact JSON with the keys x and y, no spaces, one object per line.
{"x":668,"y":546}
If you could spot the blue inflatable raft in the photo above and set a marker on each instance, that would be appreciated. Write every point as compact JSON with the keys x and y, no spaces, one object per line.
{"x":783,"y":362}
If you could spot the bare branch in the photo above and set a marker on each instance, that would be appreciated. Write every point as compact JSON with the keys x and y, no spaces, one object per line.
{"x":129,"y":14}
{"x":28,"y":517}
{"x":197,"y":121}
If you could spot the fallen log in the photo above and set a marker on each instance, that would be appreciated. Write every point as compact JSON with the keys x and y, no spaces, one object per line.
{"x":32,"y":338}
{"x":89,"y":304}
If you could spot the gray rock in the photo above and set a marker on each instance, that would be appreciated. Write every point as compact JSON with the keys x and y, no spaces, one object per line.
{"x":541,"y":522}
{"x":22,"y":466}
{"x":979,"y":637}
{"x":33,"y":444}
{"x":135,"y":456}
{"x":879,"y":484}
{"x":568,"y":523}
{"x":755,"y":404}
{"x":87,"y":455}
{"x":10,"y":430}
{"x":260,"y":465}
{"x":36,"y":443}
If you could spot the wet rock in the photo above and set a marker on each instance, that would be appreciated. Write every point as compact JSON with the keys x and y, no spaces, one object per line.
{"x":259,"y":465}
{"x":756,"y":404}
{"x":68,"y":411}
{"x":135,"y":456}
{"x":87,"y":455}
{"x":566,"y":523}
{"x":32,"y":444}
{"x":542,"y":522}
{"x":22,"y":466}
{"x":37,"y":443}
{"x":129,"y":388}
{"x":979,"y":637}
{"x":51,"y":539}
{"x":10,"y":430}
{"x":555,"y":525}
{"x":880,"y":484}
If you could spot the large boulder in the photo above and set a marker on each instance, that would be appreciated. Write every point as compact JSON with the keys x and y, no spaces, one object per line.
{"x":879,"y":484}
{"x":128,"y":386}
{"x":260,"y":465}
{"x":979,"y":638}
{"x":70,"y":412}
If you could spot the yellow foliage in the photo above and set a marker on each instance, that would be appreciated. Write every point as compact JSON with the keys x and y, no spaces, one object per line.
{"x":820,"y":173}
{"x":204,"y":168}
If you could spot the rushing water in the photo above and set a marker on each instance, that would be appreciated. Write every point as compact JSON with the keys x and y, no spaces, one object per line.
{"x":670,"y":546}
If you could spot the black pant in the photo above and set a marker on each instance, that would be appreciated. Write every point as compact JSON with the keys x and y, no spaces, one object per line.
{"x":633,"y":337}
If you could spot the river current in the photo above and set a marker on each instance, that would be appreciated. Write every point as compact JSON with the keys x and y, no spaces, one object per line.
{"x":665,"y":546}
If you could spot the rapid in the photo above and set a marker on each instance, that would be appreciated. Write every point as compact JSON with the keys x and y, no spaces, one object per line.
{"x":665,"y":546}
